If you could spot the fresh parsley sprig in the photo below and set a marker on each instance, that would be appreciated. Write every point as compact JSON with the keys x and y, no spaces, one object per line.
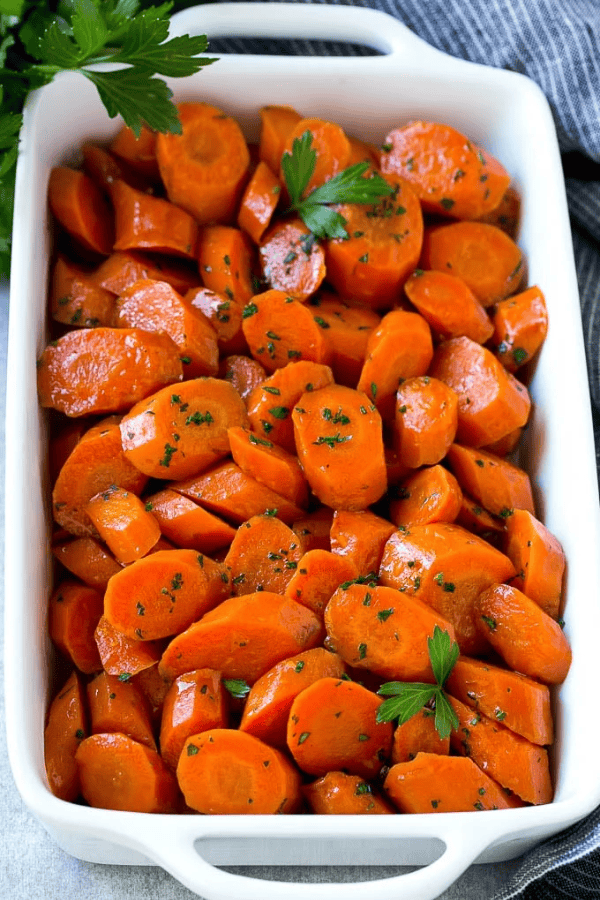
{"x":349,"y":186}
{"x":405,"y":699}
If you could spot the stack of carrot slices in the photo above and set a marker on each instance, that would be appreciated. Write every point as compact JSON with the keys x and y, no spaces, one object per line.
{"x":279,"y":464}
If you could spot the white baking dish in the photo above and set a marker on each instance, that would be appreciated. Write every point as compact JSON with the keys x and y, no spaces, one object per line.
{"x":507,"y":114}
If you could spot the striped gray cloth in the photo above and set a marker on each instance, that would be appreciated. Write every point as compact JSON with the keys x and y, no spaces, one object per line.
{"x":557,"y":44}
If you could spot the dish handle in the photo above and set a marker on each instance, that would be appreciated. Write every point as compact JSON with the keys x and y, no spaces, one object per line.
{"x":353,"y":24}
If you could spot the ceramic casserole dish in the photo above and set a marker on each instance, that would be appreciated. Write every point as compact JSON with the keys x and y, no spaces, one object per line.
{"x":405,"y":79}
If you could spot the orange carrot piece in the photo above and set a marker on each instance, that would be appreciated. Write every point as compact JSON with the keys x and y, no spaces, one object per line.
{"x":338,"y":434}
{"x":243,"y":637}
{"x":195,"y":702}
{"x":143,"y":222}
{"x":340,"y":794}
{"x":511,"y":760}
{"x":228,"y":772}
{"x":426,"y":419}
{"x":314,"y":529}
{"x":117,"y":772}
{"x":449,"y":306}
{"x":269,"y":464}
{"x":446,"y":567}
{"x":177,"y":433}
{"x":66,"y":727}
{"x":507,"y":214}
{"x":498,"y":485}
{"x":276,"y":123}
{"x":418,"y":735}
{"x":88,"y":560}
{"x":491,"y":402}
{"x":187,"y":524}
{"x":121,"y":655}
{"x":520,"y":327}
{"x":138,"y":152}
{"x":318,"y":575}
{"x":259,"y":201}
{"x":104,"y":168}
{"x":263,"y":556}
{"x":376,"y":628}
{"x":485,"y":257}
{"x":118,"y":706}
{"x":291,"y":259}
{"x":163,"y":593}
{"x":362,"y":151}
{"x":81,"y":209}
{"x":475,"y":518}
{"x":225,"y":261}
{"x":332,"y":725}
{"x":105,"y":370}
{"x":280,"y":329}
{"x":506,"y":444}
{"x":243,"y":372}
{"x":347,"y":331}
{"x":270,"y":699}
{"x":74,"y":613}
{"x":76,"y":299}
{"x":539,"y":559}
{"x":122,"y":269}
{"x":330,"y":144}
{"x":64,"y":437}
{"x":204,"y":169}
{"x":430,"y":495}
{"x":518,"y":702}
{"x":360,"y":536}
{"x":224,"y":314}
{"x":270,"y":404}
{"x":527,"y":639}
{"x":123,"y":522}
{"x":155,"y":689}
{"x":451,"y":175}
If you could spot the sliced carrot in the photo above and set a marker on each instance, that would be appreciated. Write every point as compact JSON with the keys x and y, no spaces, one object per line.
{"x":63,"y":440}
{"x":360,"y":536}
{"x":520,"y":327}
{"x":431,"y":495}
{"x":205,"y":168}
{"x":338,"y":435}
{"x":243,"y":372}
{"x":269,"y":464}
{"x":119,"y":706}
{"x":88,"y":560}
{"x":347,"y":330}
{"x":475,"y":518}
{"x":314,"y":529}
{"x":450,"y":307}
{"x":291,"y":259}
{"x":243,"y":637}
{"x":338,"y":793}
{"x":506,"y":444}
{"x":143,"y":222}
{"x":270,"y":699}
{"x":263,"y":555}
{"x":117,"y":772}
{"x":195,"y":702}
{"x":225,"y":260}
{"x":104,"y":168}
{"x":121,"y":655}
{"x":105,"y":370}
{"x":331,"y":146}
{"x":507,"y":214}
{"x":418,"y":735}
{"x":74,"y":613}
{"x":187,"y":524}
{"x":362,"y":151}
{"x":224,"y":314}
{"x":491,"y":402}
{"x":426,"y":419}
{"x":66,"y":727}
{"x":276,"y":123}
{"x":123,"y":522}
{"x":498,"y":485}
{"x":76,"y":299}
{"x":539,"y":559}
{"x":81,"y":209}
{"x":154,"y":688}
{"x":259,"y":201}
{"x":318,"y":574}
{"x":397,"y":471}
{"x":227,"y":772}
{"x":122,"y":269}
{"x":332,"y":726}
{"x":138,"y":152}
{"x":177,"y":433}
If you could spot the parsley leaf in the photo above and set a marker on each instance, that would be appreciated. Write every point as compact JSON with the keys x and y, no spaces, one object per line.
{"x":237,"y":687}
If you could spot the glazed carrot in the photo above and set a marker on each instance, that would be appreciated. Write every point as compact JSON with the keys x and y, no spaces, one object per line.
{"x":205,"y":168}
{"x":269,"y":701}
{"x":506,"y":444}
{"x":259,"y":201}
{"x":104,"y":168}
{"x":227,"y":491}
{"x":96,"y":462}
{"x":361,"y":537}
{"x":176,"y":433}
{"x":118,"y":706}
{"x":225,"y":261}
{"x":347,"y":331}
{"x":270,"y":404}
{"x":338,"y":793}
{"x":430,"y":495}
{"x":507,"y":214}
{"x":227,"y":772}
{"x":528,"y":639}
{"x":122,"y":655}
{"x":538,"y":558}
{"x":154,"y":689}
{"x":105,"y":370}
{"x":397,"y":471}
{"x":318,"y":575}
{"x":520,"y":327}
{"x":382,"y":250}
{"x":314,"y":529}
{"x":446,"y":567}
{"x":81,"y":209}
{"x":276,"y":123}
{"x":339,"y":436}
{"x":224,"y":314}
{"x":122,"y":269}
{"x":76,"y":299}
{"x":432,"y":783}
{"x":518,"y":702}
{"x":122,"y":521}
{"x":263,"y":556}
{"x":418,"y":735}
{"x":330,"y":144}
{"x":511,"y":760}
{"x":485,"y":257}
{"x":269,"y":464}
{"x":117,"y":772}
{"x":64,"y":437}
{"x":451,"y":175}
{"x":450,"y":307}
{"x":491,"y":402}
{"x":156,"y":306}
{"x":400,"y":347}
{"x":475,"y":518}
{"x":66,"y":727}
{"x":379,"y":629}
{"x":426,"y":419}
{"x":87,"y":559}
{"x":243,"y":637}
{"x":291,"y":259}
{"x":195,"y":702}
{"x":143,"y":222}
{"x":243,"y":372}
{"x":74,"y":612}
{"x":332,"y":726}
{"x":498,"y":485}
{"x":280,"y":329}
{"x":163,"y":593}
{"x":138,"y":152}
{"x":362,"y":151}
{"x":187,"y":524}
